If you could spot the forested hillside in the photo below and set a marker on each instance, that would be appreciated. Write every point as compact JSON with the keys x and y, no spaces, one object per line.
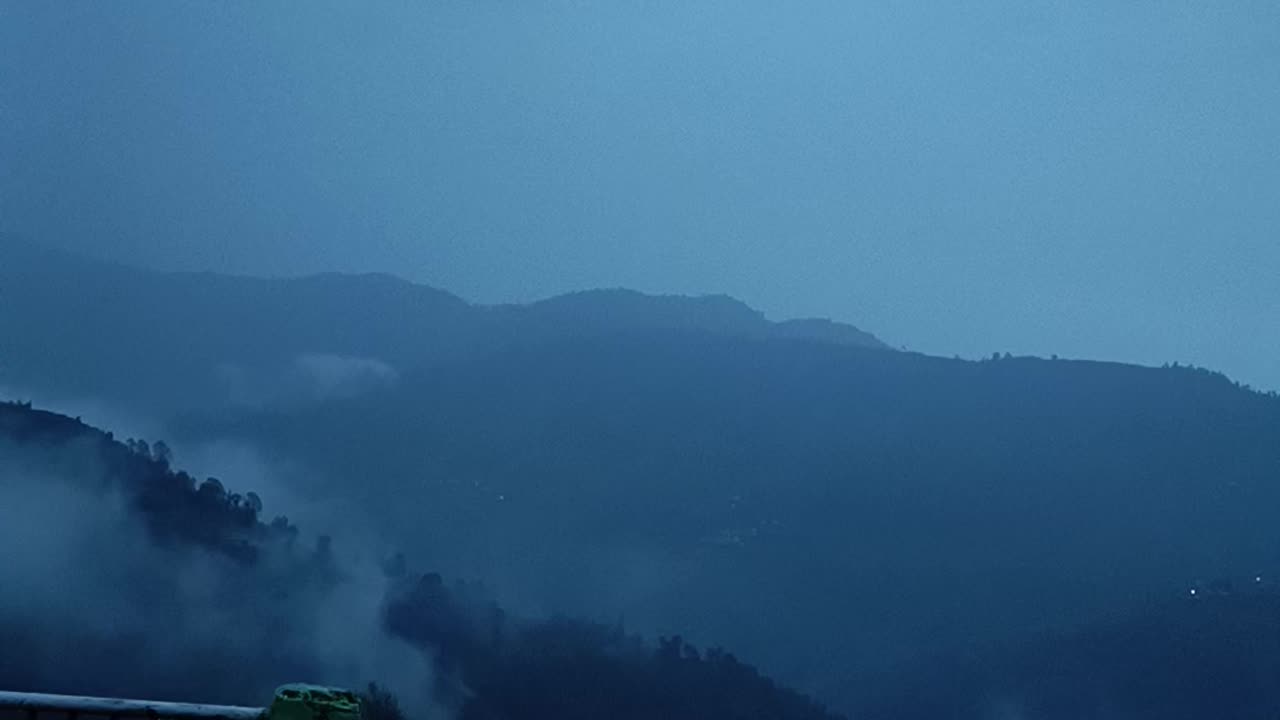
{"x":870,"y":506}
{"x":160,"y":565}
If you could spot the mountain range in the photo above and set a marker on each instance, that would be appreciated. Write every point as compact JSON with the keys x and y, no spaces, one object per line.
{"x":838,"y":511}
{"x":168,"y":341}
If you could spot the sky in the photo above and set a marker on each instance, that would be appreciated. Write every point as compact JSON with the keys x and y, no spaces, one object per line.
{"x":1088,"y":179}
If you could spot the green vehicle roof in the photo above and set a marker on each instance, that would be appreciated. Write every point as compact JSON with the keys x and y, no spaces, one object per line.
{"x":301,"y":701}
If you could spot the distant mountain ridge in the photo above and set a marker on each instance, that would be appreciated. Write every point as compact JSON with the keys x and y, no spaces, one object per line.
{"x":57,"y":308}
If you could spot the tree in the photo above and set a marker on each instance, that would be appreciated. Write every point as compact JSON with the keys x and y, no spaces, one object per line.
{"x":140,"y":447}
{"x":212,"y":489}
{"x":161,"y":453}
{"x":376,"y":703}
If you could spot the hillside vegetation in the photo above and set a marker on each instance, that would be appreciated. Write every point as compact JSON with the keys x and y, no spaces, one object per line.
{"x":487,"y":665}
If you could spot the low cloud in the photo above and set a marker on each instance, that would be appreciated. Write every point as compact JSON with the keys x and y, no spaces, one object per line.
{"x":332,"y":376}
{"x":91,"y":604}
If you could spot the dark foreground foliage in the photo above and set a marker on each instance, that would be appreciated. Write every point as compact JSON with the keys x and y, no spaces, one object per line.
{"x":377,"y":703}
{"x":175,"y":506}
{"x":495,"y":668}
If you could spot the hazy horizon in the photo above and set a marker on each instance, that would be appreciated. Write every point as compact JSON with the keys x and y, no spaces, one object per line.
{"x":1086,"y":180}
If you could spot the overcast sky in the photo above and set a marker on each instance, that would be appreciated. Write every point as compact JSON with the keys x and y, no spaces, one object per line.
{"x":1096,"y":179}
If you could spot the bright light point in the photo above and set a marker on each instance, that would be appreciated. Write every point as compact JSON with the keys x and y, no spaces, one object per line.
{"x":1193,"y":591}
{"x":1257,"y":578}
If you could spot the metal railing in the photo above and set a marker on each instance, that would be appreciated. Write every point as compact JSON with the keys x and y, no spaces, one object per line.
{"x":72,"y":706}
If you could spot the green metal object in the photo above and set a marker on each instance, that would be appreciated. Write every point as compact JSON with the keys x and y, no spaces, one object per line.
{"x":313,"y":702}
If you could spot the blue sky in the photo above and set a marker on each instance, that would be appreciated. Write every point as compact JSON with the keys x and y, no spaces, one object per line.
{"x":1091,"y":179}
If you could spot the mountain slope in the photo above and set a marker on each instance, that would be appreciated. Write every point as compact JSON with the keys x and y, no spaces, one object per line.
{"x":108,"y":554}
{"x":868,"y":505}
{"x":1185,"y":658}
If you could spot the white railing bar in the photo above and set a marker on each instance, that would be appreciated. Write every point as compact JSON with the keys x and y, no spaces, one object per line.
{"x":119,"y":708}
